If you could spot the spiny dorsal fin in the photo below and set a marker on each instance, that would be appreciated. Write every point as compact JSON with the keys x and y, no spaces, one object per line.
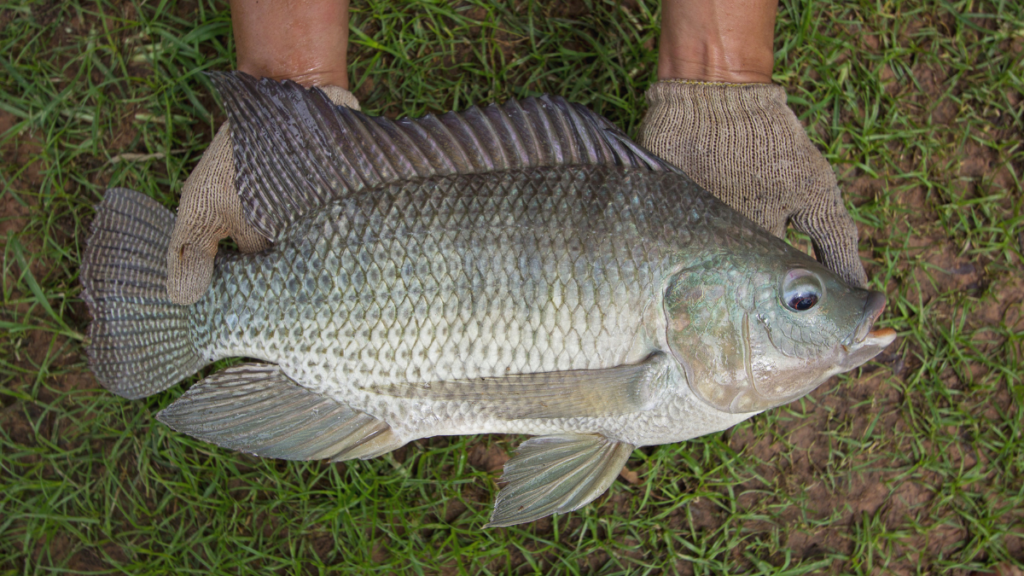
{"x":295,"y":151}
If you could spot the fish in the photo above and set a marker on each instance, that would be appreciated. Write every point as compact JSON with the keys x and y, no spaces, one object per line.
{"x":515,"y":269}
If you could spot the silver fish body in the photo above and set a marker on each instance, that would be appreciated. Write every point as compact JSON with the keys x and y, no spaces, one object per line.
{"x":523,"y":269}
{"x":373,"y":302}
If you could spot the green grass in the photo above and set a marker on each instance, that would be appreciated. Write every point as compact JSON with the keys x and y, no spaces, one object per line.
{"x":914,"y":465}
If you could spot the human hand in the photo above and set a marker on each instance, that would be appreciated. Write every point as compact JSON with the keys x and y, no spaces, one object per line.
{"x":301,"y":40}
{"x":210,"y":210}
{"x":743,"y":144}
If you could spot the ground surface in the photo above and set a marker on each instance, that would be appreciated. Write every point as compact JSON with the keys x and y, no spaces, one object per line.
{"x":914,"y":465}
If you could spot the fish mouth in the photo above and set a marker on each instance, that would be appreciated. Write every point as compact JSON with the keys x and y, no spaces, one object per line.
{"x":873,"y":307}
{"x":867,"y":343}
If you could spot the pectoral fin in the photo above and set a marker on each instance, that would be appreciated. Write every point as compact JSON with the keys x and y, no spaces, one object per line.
{"x":568,"y":394}
{"x":256,"y":408}
{"x":557,"y":474}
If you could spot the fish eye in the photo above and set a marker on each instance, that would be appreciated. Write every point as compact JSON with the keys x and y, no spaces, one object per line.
{"x":801,"y":290}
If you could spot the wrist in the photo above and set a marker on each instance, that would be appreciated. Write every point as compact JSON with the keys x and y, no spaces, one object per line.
{"x":301,"y":40}
{"x":709,"y":63}
{"x":723,"y":41}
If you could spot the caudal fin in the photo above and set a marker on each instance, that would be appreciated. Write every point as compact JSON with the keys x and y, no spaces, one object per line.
{"x":139,"y":340}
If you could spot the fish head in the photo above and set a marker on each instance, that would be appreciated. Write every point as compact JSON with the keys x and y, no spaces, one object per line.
{"x":752,"y":333}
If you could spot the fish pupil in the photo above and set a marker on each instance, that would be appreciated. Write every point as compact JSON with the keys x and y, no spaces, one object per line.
{"x":802,"y":302}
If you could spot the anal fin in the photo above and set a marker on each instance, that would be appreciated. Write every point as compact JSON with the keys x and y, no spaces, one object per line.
{"x":557,"y":474}
{"x":256,"y":408}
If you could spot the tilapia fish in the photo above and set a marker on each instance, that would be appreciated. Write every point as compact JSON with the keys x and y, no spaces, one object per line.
{"x":517,"y":269}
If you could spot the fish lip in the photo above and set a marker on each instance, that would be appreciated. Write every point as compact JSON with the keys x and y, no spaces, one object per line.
{"x":880,"y":338}
{"x":872,"y":345}
{"x":873,"y":306}
{"x":866,"y":343}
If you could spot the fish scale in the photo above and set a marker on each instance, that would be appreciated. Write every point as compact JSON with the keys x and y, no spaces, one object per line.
{"x":450,"y":295}
{"x":522,"y":268}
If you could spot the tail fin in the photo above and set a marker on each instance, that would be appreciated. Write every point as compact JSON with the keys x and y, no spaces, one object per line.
{"x":139,"y":339}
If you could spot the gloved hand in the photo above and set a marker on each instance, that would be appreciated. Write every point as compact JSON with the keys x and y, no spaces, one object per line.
{"x":210,"y":210}
{"x":744,"y":145}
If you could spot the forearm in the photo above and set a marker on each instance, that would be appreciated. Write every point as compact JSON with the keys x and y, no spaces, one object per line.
{"x":717,"y":40}
{"x":302,"y":40}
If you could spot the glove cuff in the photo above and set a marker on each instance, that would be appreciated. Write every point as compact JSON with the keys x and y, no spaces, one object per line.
{"x":340,"y":96}
{"x":683,"y":105}
{"x":749,"y":97}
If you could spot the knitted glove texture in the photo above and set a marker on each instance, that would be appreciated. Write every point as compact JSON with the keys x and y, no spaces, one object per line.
{"x":743,"y":144}
{"x":211,"y":210}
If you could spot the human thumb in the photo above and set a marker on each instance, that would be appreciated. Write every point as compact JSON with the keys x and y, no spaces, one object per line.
{"x":209,"y":211}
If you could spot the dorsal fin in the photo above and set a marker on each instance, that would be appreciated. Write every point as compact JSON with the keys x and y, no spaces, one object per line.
{"x":295,"y":151}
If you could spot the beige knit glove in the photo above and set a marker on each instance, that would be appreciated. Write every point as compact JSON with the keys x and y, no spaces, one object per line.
{"x":211,"y":210}
{"x":744,"y":145}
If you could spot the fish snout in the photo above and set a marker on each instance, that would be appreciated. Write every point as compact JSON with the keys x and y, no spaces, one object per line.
{"x":867,"y":343}
{"x":873,"y":306}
